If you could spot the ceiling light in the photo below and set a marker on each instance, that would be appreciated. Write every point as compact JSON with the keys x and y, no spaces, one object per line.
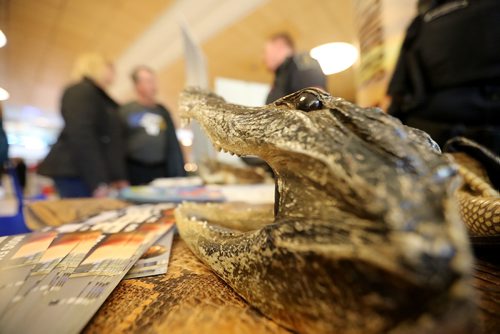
{"x":3,"y":39}
{"x":335,"y":57}
{"x":4,"y":95}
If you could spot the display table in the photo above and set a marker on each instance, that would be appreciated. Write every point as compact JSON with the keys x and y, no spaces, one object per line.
{"x":191,"y":299}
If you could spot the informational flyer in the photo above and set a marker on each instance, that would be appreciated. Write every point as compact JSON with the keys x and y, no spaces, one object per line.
{"x":17,"y":267}
{"x":58,"y":278}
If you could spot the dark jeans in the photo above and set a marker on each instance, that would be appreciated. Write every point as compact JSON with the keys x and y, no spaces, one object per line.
{"x":71,"y":187}
{"x":140,"y":173}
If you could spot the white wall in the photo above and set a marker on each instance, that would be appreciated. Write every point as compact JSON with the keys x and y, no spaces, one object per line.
{"x":252,"y":94}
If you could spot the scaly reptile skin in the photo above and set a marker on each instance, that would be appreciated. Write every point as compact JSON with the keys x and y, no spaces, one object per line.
{"x":366,"y":236}
{"x":479,"y":199}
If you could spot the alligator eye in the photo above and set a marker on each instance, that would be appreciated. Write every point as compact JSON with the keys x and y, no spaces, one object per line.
{"x":309,"y":102}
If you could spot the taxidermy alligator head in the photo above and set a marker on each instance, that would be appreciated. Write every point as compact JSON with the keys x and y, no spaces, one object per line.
{"x":366,"y":236}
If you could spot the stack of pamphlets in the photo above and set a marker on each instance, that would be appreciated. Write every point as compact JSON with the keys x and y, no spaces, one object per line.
{"x":53,"y":281}
{"x":160,"y":194}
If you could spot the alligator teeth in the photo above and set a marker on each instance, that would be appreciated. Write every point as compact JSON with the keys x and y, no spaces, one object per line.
{"x":223,"y":150}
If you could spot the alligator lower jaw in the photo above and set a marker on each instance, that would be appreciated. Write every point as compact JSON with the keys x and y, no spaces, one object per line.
{"x":225,"y":217}
{"x":238,"y":217}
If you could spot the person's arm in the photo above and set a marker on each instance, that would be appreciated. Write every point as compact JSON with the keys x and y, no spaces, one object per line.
{"x":407,"y":87}
{"x":4,"y":146}
{"x":81,"y":109}
{"x":277,"y":91}
{"x":175,"y":159}
{"x":116,"y":149}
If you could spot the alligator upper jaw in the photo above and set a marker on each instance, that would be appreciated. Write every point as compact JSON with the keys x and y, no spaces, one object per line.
{"x":226,"y":130}
{"x":301,"y":169}
{"x":315,"y":156}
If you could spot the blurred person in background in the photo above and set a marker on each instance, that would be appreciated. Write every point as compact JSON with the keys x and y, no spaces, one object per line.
{"x":293,"y":71}
{"x":88,"y":157}
{"x":153,"y":150}
{"x":21,"y":171}
{"x":4,"y":146}
{"x":447,"y":79}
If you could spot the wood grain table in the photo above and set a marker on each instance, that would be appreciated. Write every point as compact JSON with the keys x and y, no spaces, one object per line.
{"x":191,"y":299}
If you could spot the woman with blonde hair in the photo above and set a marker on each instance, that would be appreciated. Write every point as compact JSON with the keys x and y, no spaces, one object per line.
{"x":88,"y":157}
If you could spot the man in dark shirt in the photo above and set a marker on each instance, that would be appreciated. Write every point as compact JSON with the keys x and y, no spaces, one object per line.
{"x":152,"y":147}
{"x":292,"y":71}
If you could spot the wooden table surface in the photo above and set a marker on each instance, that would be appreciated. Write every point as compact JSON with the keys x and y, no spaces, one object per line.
{"x":191,"y":299}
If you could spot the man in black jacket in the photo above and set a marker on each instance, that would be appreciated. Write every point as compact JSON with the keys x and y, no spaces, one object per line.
{"x":292,"y":71}
{"x":152,"y":147}
{"x":88,"y":157}
{"x":447,"y":79}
